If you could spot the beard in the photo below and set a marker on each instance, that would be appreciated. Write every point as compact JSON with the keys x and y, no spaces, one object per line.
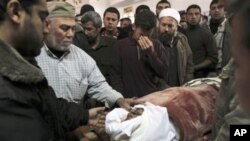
{"x":51,"y":41}
{"x":91,"y":40}
{"x":165,"y":39}
{"x":29,"y":43}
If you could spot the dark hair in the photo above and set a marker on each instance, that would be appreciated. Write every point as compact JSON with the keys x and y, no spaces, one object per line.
{"x":205,"y":17}
{"x":112,"y":10}
{"x":141,"y":8}
{"x":163,"y":1}
{"x":85,"y":8}
{"x":26,"y":4}
{"x":128,"y":19}
{"x":182,"y":13}
{"x":213,"y":2}
{"x":195,"y":6}
{"x":94,"y":17}
{"x":146,"y":20}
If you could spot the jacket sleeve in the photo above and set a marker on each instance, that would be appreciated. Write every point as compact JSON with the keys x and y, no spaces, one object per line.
{"x":72,"y":115}
{"x":190,"y":65}
{"x":158,"y":60}
{"x":20,"y":121}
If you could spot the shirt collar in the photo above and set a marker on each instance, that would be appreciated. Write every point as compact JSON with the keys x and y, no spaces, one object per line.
{"x":53,"y":55}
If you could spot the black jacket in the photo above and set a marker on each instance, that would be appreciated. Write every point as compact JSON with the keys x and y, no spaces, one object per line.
{"x":29,"y":109}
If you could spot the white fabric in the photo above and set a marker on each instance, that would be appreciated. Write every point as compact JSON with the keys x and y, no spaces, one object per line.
{"x":152,"y":125}
{"x":170,"y":12}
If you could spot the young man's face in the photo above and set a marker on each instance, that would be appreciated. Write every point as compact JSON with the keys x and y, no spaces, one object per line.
{"x":61,"y":33}
{"x":193,"y":16}
{"x":160,"y":7}
{"x":110,"y":21}
{"x":33,"y":29}
{"x":241,"y":55}
{"x":217,"y":11}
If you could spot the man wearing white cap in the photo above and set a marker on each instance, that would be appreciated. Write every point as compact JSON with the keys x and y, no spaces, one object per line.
{"x":177,"y":46}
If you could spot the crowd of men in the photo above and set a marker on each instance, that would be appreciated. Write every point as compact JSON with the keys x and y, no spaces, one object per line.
{"x":54,"y":62}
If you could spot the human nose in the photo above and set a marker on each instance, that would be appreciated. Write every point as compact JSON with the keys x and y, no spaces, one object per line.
{"x":166,"y":28}
{"x":110,"y":22}
{"x":70,"y":33}
{"x":45,"y":27}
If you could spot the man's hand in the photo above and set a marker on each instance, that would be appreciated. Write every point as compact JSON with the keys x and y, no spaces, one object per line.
{"x":145,"y":43}
{"x":97,"y":118}
{"x":128,"y":102}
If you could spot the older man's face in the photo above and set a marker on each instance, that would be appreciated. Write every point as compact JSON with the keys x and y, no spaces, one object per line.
{"x":61,"y":33}
{"x":91,"y":31}
{"x":168,"y":25}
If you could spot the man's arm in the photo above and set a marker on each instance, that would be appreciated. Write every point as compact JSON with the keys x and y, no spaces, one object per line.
{"x":155,"y":55}
{"x":73,"y":115}
{"x":98,"y":88}
{"x":190,"y":64}
{"x":211,"y":53}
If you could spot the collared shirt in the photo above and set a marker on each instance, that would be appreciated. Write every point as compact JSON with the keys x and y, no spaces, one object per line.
{"x":74,"y":74}
{"x":219,"y":38}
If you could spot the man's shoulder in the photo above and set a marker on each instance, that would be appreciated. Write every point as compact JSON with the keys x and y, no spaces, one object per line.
{"x":78,"y":52}
{"x":181,"y":35}
{"x":205,"y":31}
{"x":7,"y":88}
{"x":123,"y":41}
{"x":107,"y":40}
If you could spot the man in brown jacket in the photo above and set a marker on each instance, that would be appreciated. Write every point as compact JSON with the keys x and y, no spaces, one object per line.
{"x":177,"y":47}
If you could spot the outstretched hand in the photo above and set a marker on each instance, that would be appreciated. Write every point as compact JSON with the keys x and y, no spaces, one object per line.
{"x":128,"y":102}
{"x":97,"y":118}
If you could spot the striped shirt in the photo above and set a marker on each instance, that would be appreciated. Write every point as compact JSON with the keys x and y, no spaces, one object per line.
{"x":74,"y":74}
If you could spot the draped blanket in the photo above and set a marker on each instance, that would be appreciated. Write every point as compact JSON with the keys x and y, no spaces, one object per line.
{"x":191,"y":108}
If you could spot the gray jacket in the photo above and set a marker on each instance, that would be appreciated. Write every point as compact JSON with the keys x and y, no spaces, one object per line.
{"x":185,"y":59}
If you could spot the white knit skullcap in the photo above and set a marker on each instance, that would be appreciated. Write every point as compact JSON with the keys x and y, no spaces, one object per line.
{"x":170,"y":12}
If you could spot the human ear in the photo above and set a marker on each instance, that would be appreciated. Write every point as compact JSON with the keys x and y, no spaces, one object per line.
{"x":13,"y":10}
